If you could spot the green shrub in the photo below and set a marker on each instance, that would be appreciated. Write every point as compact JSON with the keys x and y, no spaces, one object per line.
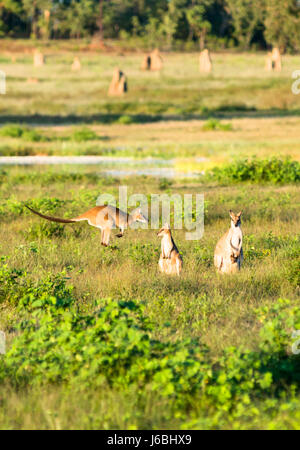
{"x":84,"y":134}
{"x":16,"y":287}
{"x":125,"y":120}
{"x":164,"y":183}
{"x":214,"y":124}
{"x":16,"y":131}
{"x":271,"y":170}
{"x":32,"y":135}
{"x":58,"y":341}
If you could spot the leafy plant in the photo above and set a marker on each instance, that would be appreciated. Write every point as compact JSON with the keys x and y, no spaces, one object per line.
{"x":84,"y":134}
{"x":214,"y":124}
{"x":125,"y":120}
{"x":272,"y":170}
{"x":16,"y":131}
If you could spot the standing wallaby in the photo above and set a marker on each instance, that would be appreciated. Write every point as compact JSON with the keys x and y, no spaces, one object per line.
{"x":229,"y":252}
{"x":170,"y":261}
{"x":104,"y":217}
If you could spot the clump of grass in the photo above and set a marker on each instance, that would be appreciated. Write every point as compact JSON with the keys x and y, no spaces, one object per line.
{"x":84,"y":134}
{"x":164,"y":183}
{"x":16,"y":131}
{"x":32,"y":135}
{"x":273,"y":170}
{"x":125,"y":120}
{"x":216,"y":125}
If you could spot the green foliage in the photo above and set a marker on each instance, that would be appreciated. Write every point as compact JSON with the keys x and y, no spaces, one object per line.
{"x":272,"y":170}
{"x":125,"y":120}
{"x":294,"y":271}
{"x":215,"y":124}
{"x":282,"y":24}
{"x":16,"y":131}
{"x":247,"y":17}
{"x":164,"y":183}
{"x":158,"y":22}
{"x":84,"y":134}
{"x":197,"y":20}
{"x":114,"y":344}
{"x":18,"y":289}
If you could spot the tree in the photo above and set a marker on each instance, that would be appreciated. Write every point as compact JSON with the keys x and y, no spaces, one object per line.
{"x":171,"y":18}
{"x":247,"y":16}
{"x":81,"y":18}
{"x":10,"y":15}
{"x":196,"y":16}
{"x":282,"y":24}
{"x":39,"y":24}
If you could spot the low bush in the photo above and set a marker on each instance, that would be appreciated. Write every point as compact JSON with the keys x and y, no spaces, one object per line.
{"x":16,"y":131}
{"x":125,"y":120}
{"x":271,"y":170}
{"x":84,"y":134}
{"x":113,"y":344}
{"x":215,"y":124}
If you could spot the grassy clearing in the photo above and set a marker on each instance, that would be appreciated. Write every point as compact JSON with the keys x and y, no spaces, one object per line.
{"x":202,"y":351}
{"x":219,"y":312}
{"x":240,"y":110}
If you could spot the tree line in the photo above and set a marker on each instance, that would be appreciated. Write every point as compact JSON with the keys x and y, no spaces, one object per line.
{"x":212,"y":23}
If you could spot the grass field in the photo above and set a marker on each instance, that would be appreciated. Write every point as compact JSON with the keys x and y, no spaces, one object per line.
{"x":204,"y":351}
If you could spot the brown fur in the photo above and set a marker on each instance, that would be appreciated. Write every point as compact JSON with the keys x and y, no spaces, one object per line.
{"x":104,"y":217}
{"x":228,"y":254}
{"x":170,"y":261}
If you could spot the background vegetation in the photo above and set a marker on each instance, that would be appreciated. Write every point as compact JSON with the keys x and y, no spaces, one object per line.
{"x":166,"y":23}
{"x":97,"y":338}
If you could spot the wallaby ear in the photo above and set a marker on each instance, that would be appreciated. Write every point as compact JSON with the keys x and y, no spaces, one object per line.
{"x":239,"y":214}
{"x":230,"y":212}
{"x":166,"y":226}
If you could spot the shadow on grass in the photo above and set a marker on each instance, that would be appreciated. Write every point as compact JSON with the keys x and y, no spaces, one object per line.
{"x":223,"y":112}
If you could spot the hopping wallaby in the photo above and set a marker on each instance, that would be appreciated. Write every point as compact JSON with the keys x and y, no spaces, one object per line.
{"x":229,"y":252}
{"x":104,"y":217}
{"x":170,"y":261}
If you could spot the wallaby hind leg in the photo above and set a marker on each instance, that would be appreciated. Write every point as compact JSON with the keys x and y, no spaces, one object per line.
{"x":218,"y":260}
{"x":105,"y":235}
{"x":178,"y":266}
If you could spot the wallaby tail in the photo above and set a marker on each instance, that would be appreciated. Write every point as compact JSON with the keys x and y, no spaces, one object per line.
{"x":52,"y":219}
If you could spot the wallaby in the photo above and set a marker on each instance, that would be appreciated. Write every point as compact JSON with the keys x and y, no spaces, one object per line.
{"x":170,"y":261}
{"x":104,"y":217}
{"x":229,"y":252}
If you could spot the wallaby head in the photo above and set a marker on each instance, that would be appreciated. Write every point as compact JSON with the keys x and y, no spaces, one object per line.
{"x":235,"y":218}
{"x":137,"y":216}
{"x":165,"y":230}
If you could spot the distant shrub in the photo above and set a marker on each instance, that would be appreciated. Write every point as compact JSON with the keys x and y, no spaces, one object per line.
{"x":214,"y":124}
{"x":31,"y":135}
{"x":16,"y":131}
{"x":84,"y":134}
{"x":164,"y":183}
{"x":125,"y":120}
{"x":271,"y":170}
